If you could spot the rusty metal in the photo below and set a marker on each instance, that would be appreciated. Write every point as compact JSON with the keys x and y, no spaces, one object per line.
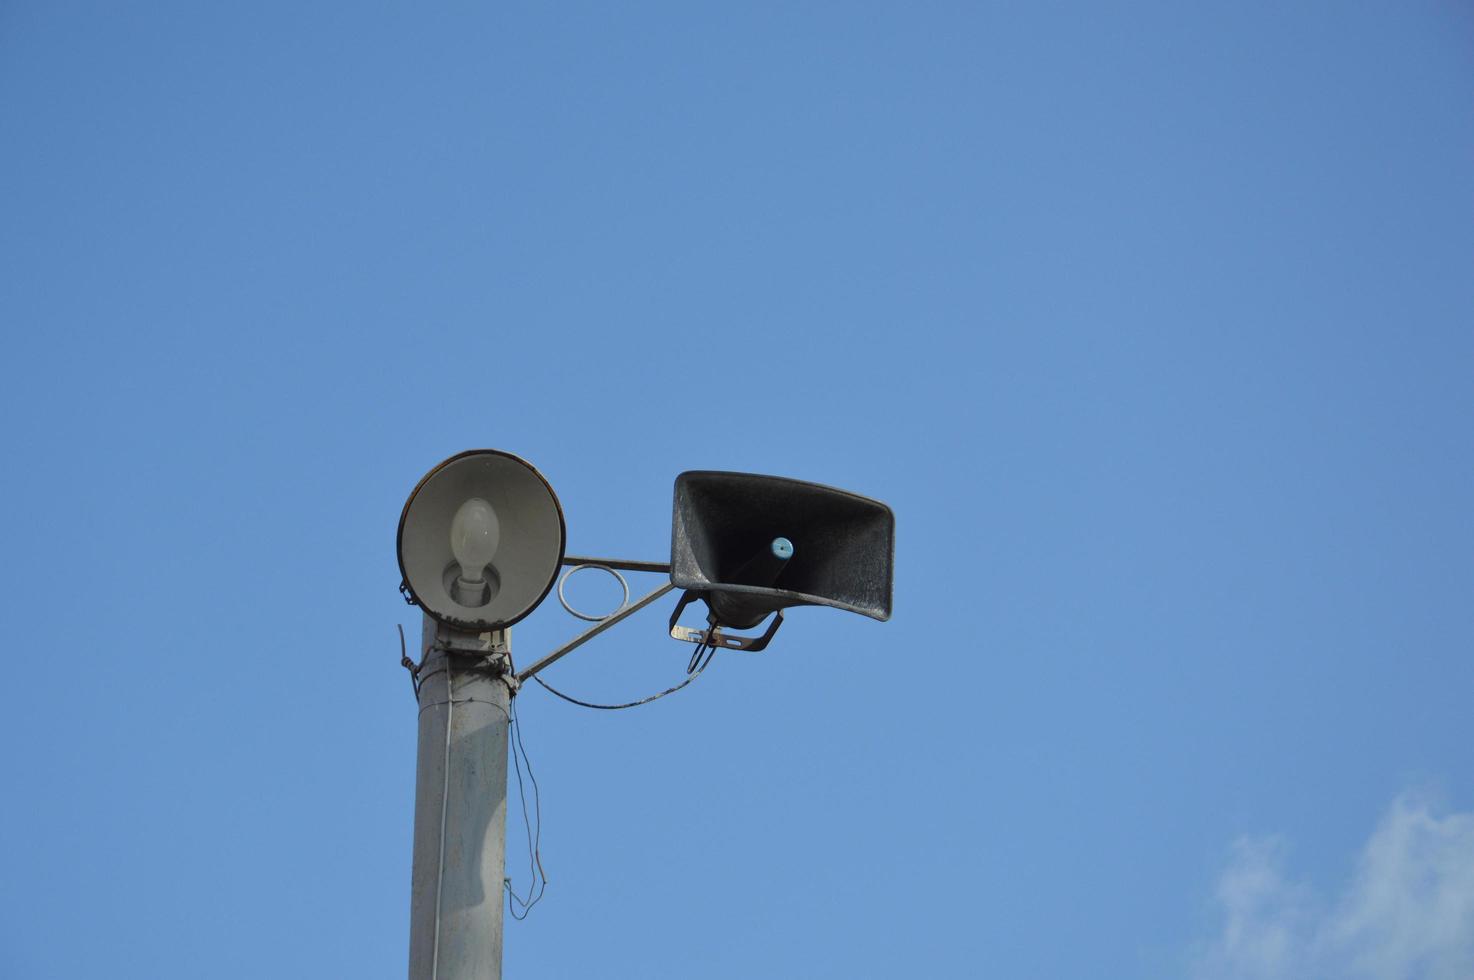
{"x":713,"y":636}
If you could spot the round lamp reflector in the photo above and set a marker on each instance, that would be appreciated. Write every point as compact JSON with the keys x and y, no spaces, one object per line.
{"x":481,"y":540}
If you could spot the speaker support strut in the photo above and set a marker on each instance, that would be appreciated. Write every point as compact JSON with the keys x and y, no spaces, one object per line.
{"x":713,"y":634}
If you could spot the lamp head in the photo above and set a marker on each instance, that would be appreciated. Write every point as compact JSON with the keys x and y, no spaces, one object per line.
{"x":480,"y":540}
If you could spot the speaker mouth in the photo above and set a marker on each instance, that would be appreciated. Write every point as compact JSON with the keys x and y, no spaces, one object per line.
{"x":840,"y":545}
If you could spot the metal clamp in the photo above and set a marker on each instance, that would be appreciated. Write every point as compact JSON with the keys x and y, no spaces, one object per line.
{"x":713,"y":635}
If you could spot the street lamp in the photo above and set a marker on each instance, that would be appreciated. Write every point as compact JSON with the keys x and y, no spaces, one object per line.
{"x":480,"y":543}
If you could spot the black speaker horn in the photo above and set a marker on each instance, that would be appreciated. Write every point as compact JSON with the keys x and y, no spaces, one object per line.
{"x":752,"y":545}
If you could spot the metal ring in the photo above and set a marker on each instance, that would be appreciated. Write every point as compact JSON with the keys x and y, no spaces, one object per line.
{"x":585,"y":616}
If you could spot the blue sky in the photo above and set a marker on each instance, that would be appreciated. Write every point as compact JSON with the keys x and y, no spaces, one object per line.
{"x":1154,"y":325}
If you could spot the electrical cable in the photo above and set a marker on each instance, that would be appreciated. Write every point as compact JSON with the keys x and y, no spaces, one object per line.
{"x":519,"y":749}
{"x":695,"y":662}
{"x":534,"y":827}
{"x":693,"y":671}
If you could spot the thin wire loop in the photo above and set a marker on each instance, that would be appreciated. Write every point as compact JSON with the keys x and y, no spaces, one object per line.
{"x":489,"y":704}
{"x":585,"y":616}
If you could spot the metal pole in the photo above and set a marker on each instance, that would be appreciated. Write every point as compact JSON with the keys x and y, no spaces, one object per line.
{"x":460,"y":807}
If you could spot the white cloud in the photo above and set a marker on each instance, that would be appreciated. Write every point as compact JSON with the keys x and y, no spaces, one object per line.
{"x":1407,"y":913}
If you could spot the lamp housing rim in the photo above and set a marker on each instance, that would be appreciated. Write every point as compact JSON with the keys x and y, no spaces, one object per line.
{"x":465,"y":625}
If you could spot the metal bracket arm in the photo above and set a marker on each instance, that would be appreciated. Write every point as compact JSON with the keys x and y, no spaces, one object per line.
{"x":598,"y":628}
{"x":627,"y":564}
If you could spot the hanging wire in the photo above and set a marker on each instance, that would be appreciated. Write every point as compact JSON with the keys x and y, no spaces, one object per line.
{"x":696,"y":664}
{"x":700,"y":660}
{"x":517,"y":905}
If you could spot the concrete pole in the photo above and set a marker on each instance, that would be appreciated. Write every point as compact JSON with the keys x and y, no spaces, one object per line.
{"x":460,"y":807}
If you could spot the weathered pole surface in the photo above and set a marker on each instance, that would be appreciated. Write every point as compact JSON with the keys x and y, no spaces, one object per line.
{"x":460,"y":807}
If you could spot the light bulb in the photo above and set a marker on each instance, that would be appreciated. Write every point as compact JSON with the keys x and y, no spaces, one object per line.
{"x":474,"y":534}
